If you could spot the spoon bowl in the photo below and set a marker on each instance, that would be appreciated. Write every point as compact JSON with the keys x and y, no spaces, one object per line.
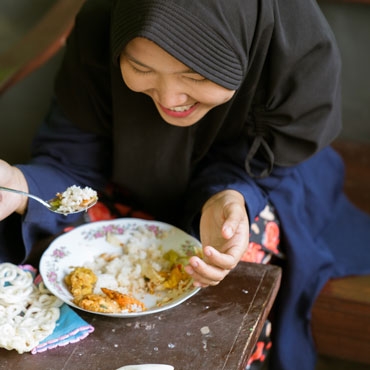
{"x":53,"y":204}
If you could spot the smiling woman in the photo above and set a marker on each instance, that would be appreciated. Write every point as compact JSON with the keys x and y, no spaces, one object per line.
{"x":215,"y":116}
{"x":181,"y":95}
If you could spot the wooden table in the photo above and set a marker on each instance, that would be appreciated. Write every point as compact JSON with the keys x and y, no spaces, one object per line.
{"x":215,"y":329}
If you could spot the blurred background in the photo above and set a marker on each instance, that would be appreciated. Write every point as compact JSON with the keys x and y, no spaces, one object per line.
{"x":23,"y":107}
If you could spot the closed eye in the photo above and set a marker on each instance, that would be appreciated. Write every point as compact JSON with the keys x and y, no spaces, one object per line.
{"x":195,"y":77}
{"x":139,"y":70}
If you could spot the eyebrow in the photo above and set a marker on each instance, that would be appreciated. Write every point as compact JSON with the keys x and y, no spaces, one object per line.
{"x":188,"y":70}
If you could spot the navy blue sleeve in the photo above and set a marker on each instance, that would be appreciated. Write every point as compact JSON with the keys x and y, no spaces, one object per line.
{"x":224,"y":168}
{"x":62,"y":155}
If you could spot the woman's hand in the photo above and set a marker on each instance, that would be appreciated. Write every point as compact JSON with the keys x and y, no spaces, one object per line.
{"x":12,"y":177}
{"x":224,"y":233}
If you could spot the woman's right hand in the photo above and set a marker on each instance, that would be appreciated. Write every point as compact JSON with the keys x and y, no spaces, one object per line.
{"x":12,"y":177}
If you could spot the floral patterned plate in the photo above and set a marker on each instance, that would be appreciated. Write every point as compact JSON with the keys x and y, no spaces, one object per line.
{"x":85,"y":243}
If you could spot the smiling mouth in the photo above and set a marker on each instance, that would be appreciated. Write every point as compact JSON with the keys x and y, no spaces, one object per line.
{"x":181,"y":109}
{"x":180,"y":112}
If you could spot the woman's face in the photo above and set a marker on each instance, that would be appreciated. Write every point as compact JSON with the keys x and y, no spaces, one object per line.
{"x":181,"y":95}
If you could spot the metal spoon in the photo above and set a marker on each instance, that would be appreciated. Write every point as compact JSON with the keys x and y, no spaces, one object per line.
{"x":53,"y":204}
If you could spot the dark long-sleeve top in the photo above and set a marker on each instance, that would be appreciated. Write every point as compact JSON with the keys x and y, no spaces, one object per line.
{"x":270,"y":143}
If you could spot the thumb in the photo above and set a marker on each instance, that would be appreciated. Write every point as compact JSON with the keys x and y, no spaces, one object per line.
{"x":233,"y":214}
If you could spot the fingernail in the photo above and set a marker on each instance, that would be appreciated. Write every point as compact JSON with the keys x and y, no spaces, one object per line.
{"x":189,"y":270}
{"x":207,"y":252}
{"x":228,"y":231}
{"x":194,"y":263}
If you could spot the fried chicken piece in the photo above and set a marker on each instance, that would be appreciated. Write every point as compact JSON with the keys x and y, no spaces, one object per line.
{"x":97,"y":303}
{"x":81,"y":281}
{"x":124,"y":301}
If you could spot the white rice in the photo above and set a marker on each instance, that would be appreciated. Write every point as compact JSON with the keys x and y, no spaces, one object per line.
{"x":72,"y":198}
{"x":124,"y":272}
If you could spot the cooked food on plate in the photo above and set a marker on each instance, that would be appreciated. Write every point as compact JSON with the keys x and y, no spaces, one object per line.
{"x":114,"y":283}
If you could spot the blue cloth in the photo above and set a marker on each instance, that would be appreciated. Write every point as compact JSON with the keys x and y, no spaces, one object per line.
{"x":70,"y":328}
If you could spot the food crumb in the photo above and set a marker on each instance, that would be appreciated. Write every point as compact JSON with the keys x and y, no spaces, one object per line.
{"x":205,"y":330}
{"x":204,"y":344}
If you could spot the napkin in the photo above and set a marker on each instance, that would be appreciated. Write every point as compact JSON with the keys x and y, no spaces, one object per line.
{"x":70,"y":327}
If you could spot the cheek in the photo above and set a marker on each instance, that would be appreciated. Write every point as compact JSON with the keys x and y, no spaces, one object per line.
{"x":132,"y":81}
{"x":217,"y":98}
{"x":215,"y":95}
{"x":225,"y":95}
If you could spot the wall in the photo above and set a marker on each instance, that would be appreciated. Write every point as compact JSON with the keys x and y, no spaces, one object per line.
{"x":23,"y":106}
{"x":351,"y":25}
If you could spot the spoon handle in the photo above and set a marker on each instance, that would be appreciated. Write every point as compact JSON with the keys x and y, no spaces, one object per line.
{"x":26,"y":195}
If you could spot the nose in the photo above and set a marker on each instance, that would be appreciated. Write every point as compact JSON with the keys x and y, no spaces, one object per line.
{"x":170,"y":92}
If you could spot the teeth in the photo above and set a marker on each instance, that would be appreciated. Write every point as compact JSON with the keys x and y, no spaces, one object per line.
{"x":181,"y":109}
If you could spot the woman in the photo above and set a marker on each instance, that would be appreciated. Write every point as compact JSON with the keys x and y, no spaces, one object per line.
{"x":205,"y":113}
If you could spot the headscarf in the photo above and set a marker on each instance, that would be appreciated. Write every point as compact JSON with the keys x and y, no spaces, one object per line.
{"x":280,"y":56}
